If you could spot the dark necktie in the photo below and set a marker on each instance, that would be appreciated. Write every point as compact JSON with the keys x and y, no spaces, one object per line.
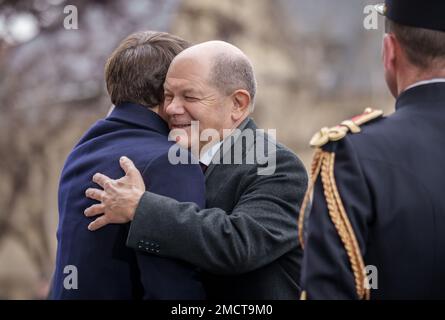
{"x":203,"y":167}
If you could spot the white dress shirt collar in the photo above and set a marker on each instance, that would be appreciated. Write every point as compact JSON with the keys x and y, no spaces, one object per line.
{"x":207,"y":157}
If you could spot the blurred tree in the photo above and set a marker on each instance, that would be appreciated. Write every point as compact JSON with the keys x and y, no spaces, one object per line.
{"x":51,"y":90}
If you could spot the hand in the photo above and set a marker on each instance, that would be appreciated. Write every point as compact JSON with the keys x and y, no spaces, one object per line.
{"x":119,"y":198}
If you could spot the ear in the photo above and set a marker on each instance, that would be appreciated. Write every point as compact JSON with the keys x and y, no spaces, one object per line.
{"x":241,"y":102}
{"x":390,"y":47}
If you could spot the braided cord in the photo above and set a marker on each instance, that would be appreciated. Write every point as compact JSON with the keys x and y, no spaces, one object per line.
{"x":315,"y":171}
{"x":323,"y":164}
{"x":342,"y":224}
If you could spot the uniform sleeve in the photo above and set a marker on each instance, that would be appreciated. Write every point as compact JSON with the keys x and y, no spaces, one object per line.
{"x":261,"y":228}
{"x":327,"y":272}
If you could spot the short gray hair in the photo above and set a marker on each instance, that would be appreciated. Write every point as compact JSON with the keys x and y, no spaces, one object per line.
{"x":425,"y":48}
{"x":230,"y":73}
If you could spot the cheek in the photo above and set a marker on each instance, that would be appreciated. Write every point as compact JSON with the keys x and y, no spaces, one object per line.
{"x":213,"y":120}
{"x":209,"y":116}
{"x":224,"y":116}
{"x":200,"y":113}
{"x":192,"y":111}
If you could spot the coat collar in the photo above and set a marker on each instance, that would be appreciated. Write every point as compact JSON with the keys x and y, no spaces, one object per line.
{"x":423,"y":96}
{"x":140,"y":116}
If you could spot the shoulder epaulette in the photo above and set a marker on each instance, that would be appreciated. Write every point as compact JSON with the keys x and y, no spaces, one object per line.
{"x":338,"y":132}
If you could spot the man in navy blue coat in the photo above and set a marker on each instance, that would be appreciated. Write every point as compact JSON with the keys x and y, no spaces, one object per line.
{"x":98,"y":265}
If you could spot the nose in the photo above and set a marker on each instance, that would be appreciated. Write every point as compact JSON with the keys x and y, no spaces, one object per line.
{"x":175,"y":107}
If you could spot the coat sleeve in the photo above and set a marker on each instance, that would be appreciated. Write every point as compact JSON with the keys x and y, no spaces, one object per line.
{"x":164,"y":278}
{"x":261,"y":228}
{"x":327,"y":272}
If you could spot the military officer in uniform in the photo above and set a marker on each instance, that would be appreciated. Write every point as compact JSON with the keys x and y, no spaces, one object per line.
{"x":378,"y":182}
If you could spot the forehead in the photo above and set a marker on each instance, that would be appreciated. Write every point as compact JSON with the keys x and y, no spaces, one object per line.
{"x":186,"y":72}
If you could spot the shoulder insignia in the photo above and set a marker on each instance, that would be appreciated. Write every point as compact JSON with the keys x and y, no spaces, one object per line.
{"x":336,"y":133}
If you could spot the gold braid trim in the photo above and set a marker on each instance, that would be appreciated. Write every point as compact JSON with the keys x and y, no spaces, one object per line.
{"x":324,"y":163}
{"x":343,"y":225}
{"x":315,"y":171}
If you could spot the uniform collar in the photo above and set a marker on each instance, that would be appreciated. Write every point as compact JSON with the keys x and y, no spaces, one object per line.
{"x":140,"y":116}
{"x":421,"y":83}
{"x":425,"y":93}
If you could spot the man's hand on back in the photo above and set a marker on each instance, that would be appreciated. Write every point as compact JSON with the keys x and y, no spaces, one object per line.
{"x":118,"y":199}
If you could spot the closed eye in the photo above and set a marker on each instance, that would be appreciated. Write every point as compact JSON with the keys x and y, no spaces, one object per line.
{"x":191,"y":99}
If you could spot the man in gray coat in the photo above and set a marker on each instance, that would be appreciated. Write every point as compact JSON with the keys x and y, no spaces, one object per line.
{"x":245,"y":241}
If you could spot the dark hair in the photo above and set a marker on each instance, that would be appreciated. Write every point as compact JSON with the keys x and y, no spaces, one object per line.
{"x":230,"y":73}
{"x":135,"y":72}
{"x":424,"y":47}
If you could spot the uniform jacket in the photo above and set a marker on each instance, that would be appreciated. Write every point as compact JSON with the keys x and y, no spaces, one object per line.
{"x":390,"y":177}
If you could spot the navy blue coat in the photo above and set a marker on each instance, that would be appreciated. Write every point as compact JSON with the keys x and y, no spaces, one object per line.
{"x":391,"y":179}
{"x":106,"y":268}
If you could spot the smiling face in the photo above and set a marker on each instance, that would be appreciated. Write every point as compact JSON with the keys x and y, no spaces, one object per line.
{"x":190,"y":97}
